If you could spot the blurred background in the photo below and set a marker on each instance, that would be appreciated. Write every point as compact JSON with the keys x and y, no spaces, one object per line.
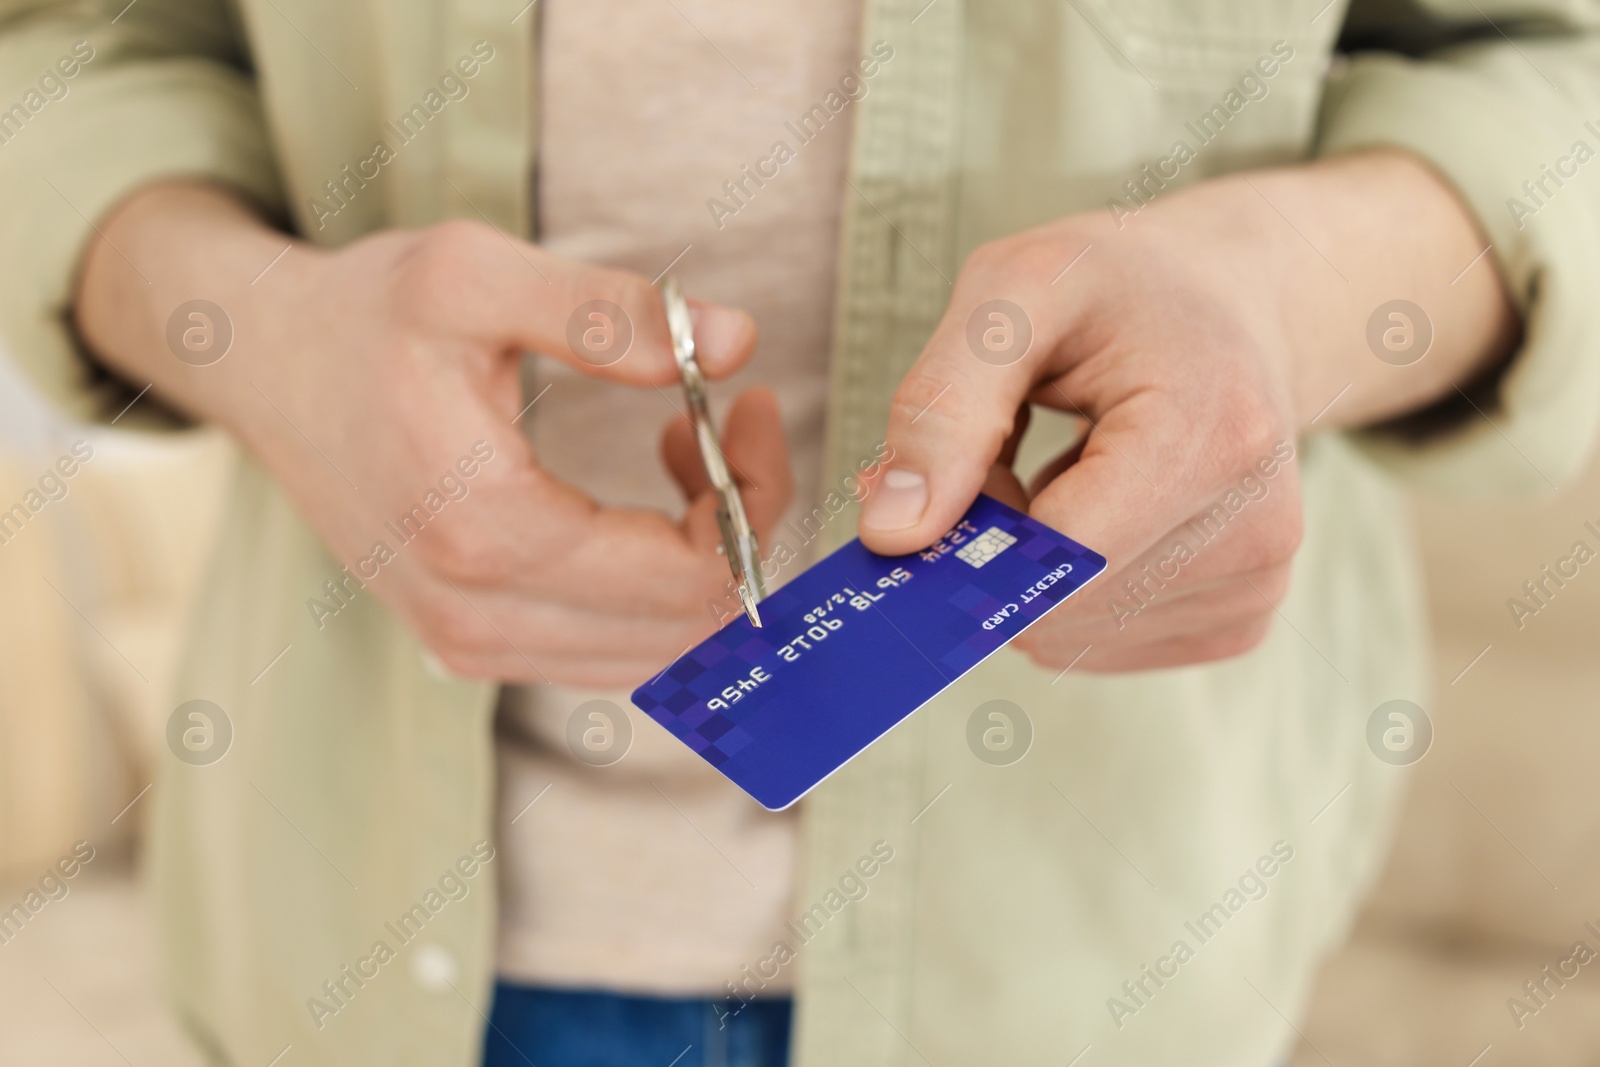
{"x":1494,"y":872}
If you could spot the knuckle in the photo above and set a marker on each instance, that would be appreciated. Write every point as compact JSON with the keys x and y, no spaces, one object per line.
{"x":981,"y":259}
{"x":1285,"y":537}
{"x":455,"y":239}
{"x":464,"y":557}
{"x":992,"y":256}
{"x":437,"y":269}
{"x":1253,"y":426}
{"x":924,"y":398}
{"x":1024,"y":256}
{"x":454,"y":632}
{"x":459,"y":664}
{"x":452,"y":246}
{"x":1273,"y":584}
{"x":1035,"y":259}
{"x":1271,"y":544}
{"x":914,"y":396}
{"x":1052,"y":655}
{"x":1243,"y":638}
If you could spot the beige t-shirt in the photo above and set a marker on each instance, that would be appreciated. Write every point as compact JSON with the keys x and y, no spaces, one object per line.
{"x":655,"y":874}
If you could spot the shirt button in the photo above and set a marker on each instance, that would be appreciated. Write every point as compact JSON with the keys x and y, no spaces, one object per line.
{"x":433,"y":968}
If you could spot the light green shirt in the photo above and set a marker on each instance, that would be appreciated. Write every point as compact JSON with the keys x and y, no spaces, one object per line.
{"x":1019,"y":899}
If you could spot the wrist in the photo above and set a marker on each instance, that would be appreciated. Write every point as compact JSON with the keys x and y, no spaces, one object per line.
{"x":175,"y":286}
{"x":1333,"y":251}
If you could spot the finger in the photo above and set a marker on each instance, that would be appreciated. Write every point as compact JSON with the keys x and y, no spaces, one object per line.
{"x":492,"y":632}
{"x":1019,"y":429}
{"x":1120,"y":617}
{"x":1002,"y":484}
{"x":680,"y":452}
{"x":758,"y":457}
{"x":1053,"y":470}
{"x":758,"y":460}
{"x":1192,"y":559}
{"x":602,"y":321}
{"x":702,"y":530}
{"x":1179,"y":652}
{"x":1202,"y":553}
{"x":724,"y":337}
{"x":610,"y":556}
{"x":948,"y":422}
{"x":549,"y":629}
{"x":621,"y":334}
{"x":509,"y":666}
{"x":1212,"y":550}
{"x":549,"y":540}
{"x":1114,"y":498}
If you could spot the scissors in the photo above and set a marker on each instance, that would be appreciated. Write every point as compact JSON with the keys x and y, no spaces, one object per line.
{"x":738,"y":538}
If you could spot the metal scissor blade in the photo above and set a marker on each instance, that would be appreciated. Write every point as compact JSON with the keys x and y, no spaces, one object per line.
{"x":739,"y":541}
{"x":744,"y":554}
{"x":749,"y":602}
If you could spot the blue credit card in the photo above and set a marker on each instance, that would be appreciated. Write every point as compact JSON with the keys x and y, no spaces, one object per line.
{"x":856,"y":644}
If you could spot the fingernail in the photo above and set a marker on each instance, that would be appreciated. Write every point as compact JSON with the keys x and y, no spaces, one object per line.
{"x":897,"y":501}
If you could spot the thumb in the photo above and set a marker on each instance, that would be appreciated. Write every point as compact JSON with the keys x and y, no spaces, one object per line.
{"x":604,"y":322}
{"x":948,"y":423}
{"x":627,"y":339}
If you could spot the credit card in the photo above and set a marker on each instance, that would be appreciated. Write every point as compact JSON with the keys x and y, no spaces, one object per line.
{"x":857,"y":643}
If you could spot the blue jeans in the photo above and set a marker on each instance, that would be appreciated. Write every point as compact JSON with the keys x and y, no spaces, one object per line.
{"x":568,"y":1028}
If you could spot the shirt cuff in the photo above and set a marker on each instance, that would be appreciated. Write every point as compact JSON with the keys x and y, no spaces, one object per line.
{"x":1486,"y":122}
{"x":75,"y":161}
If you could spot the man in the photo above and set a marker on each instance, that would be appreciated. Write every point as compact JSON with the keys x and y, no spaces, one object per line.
{"x":1221,"y":251}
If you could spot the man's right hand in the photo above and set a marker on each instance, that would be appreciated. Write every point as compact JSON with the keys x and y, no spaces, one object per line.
{"x":361,"y":376}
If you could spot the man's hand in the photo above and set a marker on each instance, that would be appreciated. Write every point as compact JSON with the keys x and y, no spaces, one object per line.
{"x":1197,"y":342}
{"x":362,"y":377}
